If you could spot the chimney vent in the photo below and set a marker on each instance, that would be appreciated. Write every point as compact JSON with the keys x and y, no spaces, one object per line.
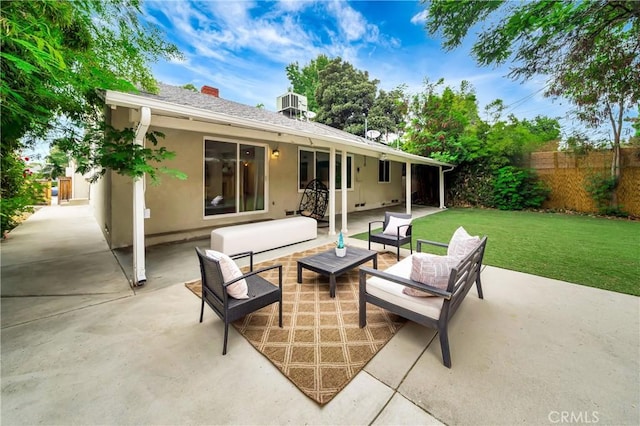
{"x":208,"y":90}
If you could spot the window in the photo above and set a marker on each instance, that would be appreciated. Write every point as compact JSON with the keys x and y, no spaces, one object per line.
{"x":315,"y":165}
{"x":234,"y":177}
{"x":383,"y":171}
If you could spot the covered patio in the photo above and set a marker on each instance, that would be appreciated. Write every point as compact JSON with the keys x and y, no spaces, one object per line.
{"x":80,"y":345}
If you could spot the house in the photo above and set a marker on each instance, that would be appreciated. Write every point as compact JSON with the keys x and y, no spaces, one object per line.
{"x":244,"y":164}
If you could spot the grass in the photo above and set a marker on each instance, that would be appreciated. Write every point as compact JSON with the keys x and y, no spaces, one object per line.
{"x":596,"y":252}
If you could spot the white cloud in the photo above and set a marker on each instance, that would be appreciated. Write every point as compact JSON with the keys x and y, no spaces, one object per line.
{"x":242,"y":47}
{"x":293,"y":5}
{"x":420,"y":18}
{"x":351,"y":23}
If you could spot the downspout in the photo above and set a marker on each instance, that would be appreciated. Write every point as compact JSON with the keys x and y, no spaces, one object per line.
{"x":139,"y":270}
{"x":442,"y":172}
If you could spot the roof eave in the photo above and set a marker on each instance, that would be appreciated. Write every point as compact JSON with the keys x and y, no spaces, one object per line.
{"x":127,"y":100}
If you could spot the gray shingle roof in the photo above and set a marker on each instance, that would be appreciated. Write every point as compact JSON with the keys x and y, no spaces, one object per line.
{"x":189,"y":98}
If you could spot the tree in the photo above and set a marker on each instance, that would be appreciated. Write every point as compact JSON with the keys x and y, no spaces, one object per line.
{"x":305,"y":80}
{"x":511,"y":140}
{"x":587,"y":49}
{"x":55,"y":56}
{"x":190,"y":86}
{"x":388,"y":111}
{"x":344,"y":95}
{"x":443,"y":123}
{"x":55,"y":163}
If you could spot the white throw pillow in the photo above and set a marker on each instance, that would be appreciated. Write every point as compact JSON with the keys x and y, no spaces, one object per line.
{"x":392,"y":226}
{"x":462,"y":244}
{"x":237,"y":290}
{"x":430,"y":269}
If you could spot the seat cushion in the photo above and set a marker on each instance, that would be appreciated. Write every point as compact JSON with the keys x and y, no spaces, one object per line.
{"x":394,"y":223}
{"x":230,"y":271}
{"x":462,"y":244}
{"x":432,"y":270}
{"x":393,"y":293}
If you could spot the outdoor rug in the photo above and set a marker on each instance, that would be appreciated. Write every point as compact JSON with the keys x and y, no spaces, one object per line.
{"x":320,"y":347}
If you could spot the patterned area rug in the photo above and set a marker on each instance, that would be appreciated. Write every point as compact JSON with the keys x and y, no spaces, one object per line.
{"x":320,"y":347}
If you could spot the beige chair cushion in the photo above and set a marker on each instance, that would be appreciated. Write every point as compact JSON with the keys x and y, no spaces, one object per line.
{"x":393,"y":293}
{"x":230,"y":271}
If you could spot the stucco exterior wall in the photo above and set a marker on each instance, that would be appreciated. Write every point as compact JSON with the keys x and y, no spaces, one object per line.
{"x":100,"y":201}
{"x":176,"y":206}
{"x":368,"y":191}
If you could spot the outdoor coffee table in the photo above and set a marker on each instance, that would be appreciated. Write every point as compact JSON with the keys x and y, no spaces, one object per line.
{"x":327,"y":263}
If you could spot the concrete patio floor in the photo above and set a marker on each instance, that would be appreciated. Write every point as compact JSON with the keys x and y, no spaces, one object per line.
{"x":80,"y":346}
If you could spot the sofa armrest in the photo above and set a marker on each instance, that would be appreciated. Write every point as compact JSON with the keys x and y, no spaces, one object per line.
{"x":364,"y":271}
{"x":433,"y":243}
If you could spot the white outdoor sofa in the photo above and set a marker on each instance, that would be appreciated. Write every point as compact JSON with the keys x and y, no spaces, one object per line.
{"x":262,"y":236}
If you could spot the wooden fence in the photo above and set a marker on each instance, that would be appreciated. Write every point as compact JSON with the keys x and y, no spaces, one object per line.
{"x":567,"y":173}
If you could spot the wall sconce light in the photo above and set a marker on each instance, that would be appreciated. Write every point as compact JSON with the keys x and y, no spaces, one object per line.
{"x":383,"y":157}
{"x":275,"y":153}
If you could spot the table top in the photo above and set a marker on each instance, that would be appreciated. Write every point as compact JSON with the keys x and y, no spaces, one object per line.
{"x":328,"y":261}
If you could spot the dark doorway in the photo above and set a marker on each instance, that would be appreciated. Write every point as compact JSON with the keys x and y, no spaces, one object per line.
{"x":425,"y":185}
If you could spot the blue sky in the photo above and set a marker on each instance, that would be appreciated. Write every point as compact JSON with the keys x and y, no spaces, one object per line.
{"x":243,"y":47}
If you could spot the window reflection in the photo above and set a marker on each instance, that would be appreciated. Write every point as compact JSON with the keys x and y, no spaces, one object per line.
{"x":234,"y":178}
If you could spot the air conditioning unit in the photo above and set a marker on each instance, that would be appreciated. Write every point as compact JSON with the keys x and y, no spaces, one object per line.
{"x":291,"y":104}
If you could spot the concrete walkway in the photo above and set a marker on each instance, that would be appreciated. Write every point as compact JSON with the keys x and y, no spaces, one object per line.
{"x":79,"y":346}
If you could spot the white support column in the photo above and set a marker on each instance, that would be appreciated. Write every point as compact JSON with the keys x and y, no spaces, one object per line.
{"x":441,"y":191}
{"x":139,"y":269}
{"x":407,"y":184}
{"x":332,"y":191}
{"x":343,"y":180}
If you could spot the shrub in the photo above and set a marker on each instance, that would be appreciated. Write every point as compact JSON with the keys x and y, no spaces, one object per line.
{"x":516,"y":189}
{"x":601,"y":189}
{"x":19,"y":191}
{"x":472,"y":186}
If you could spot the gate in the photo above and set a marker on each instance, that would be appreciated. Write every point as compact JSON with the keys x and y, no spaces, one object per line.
{"x":64,"y":189}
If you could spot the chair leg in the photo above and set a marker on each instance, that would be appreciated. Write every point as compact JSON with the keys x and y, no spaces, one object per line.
{"x":398,"y":253}
{"x":226,"y":333}
{"x":362,"y":301}
{"x":444,"y":346}
{"x":201,"y":310}
{"x":363,"y":313}
{"x":369,"y":244}
{"x":479,"y":287}
{"x":280,"y":312}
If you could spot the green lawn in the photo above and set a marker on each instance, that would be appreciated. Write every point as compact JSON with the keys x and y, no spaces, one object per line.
{"x":597,"y":252}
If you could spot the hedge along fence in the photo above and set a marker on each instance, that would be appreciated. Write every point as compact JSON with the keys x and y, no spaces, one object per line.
{"x":567,"y":173}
